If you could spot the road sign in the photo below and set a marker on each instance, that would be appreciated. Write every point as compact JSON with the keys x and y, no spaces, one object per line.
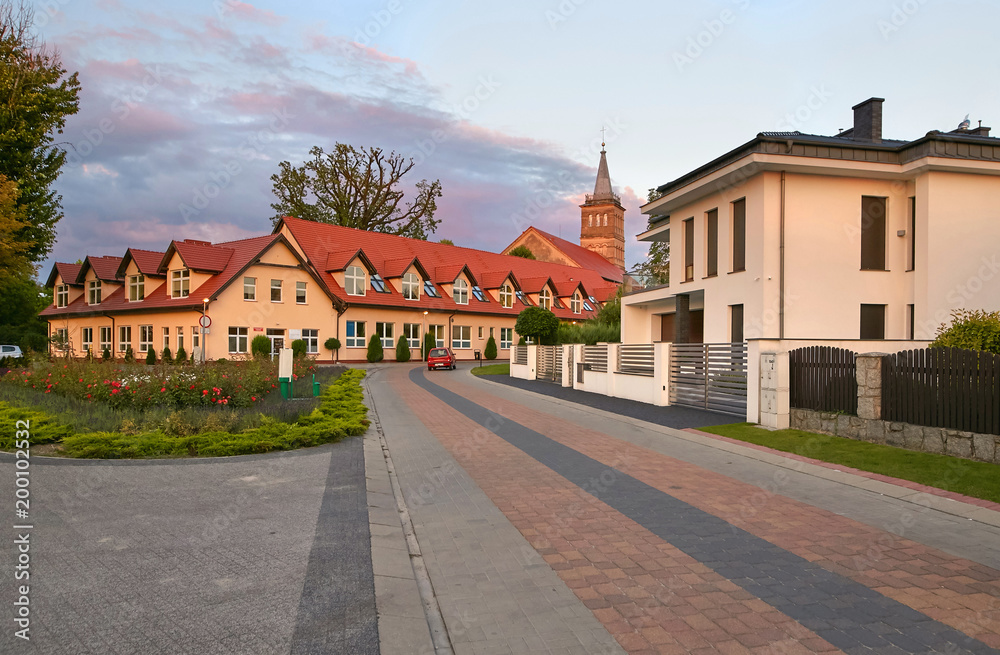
{"x":205,"y":321}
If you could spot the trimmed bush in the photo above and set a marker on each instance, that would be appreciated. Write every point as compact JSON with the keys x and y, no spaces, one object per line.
{"x":970,"y":330}
{"x":150,"y":356}
{"x":375,"y":352}
{"x":260,"y":346}
{"x":332,"y":343}
{"x":521,"y":341}
{"x":299,"y":348}
{"x":166,"y":356}
{"x":429,"y":343}
{"x":129,"y":354}
{"x":536,"y":322}
{"x":181,"y":357}
{"x":402,"y":349}
{"x":106,"y":355}
{"x":491,"y":348}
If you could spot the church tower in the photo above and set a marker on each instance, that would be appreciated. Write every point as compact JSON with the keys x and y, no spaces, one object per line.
{"x":602,"y":226}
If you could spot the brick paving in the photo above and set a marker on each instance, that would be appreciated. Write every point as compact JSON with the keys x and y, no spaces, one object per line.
{"x":655,"y":597}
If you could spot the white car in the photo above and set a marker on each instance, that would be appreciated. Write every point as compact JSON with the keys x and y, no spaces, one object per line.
{"x":9,"y":351}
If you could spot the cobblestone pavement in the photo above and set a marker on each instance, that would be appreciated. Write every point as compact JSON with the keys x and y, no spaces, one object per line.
{"x":670,"y":555}
{"x":257,"y":555}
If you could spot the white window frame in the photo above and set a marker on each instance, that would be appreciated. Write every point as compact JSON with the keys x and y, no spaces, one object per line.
{"x":461,"y":337}
{"x":240,"y":337}
{"x":386,"y":336}
{"x":124,"y":338}
{"x":355,"y":280}
{"x":506,"y":338}
{"x":356,"y":340}
{"x":412,"y":333}
{"x":276,"y":286}
{"x":145,"y":338}
{"x":411,"y":286}
{"x":300,"y":288}
{"x":166,"y":338}
{"x":87,"y":338}
{"x":311,"y":337}
{"x":195,"y":338}
{"x":62,"y":295}
{"x":545,"y":299}
{"x":576,"y":302}
{"x":438,"y":332}
{"x":250,"y":289}
{"x":460,"y":293}
{"x":136,"y":287}
{"x":180,"y":283}
{"x":94,"y":292}
{"x":180,"y":337}
{"x":104,"y":333}
{"x":507,"y":295}
{"x":62,"y":339}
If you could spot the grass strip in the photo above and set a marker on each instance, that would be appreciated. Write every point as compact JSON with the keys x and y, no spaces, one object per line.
{"x":976,"y":479}
{"x":492,"y":369}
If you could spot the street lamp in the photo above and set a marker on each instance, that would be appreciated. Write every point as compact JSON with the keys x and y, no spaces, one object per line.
{"x":204,"y":333}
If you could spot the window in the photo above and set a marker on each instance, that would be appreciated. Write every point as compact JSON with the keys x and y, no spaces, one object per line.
{"x":238,"y":337}
{"x":740,"y":235}
{"x":384,"y":332}
{"x":506,"y":337}
{"x":910,"y":322}
{"x":480,"y":331}
{"x":411,"y":287}
{"x":912,"y":263}
{"x":275,"y":290}
{"x":166,"y":337}
{"x":105,"y":335}
{"x":249,"y":288}
{"x":136,"y":287}
{"x":590,"y":220}
{"x":180,"y":283}
{"x":411,"y":332}
{"x":180,"y":338}
{"x":94,"y":292}
{"x":688,"y":249}
{"x":430,"y":289}
{"x":520,"y":296}
{"x":195,"y":337}
{"x":311,"y":337}
{"x":87,"y":339}
{"x":378,"y":284}
{"x":545,"y":298}
{"x":461,"y":336}
{"x":736,"y":323}
{"x":124,"y":338}
{"x":438,"y":332}
{"x":506,"y":296}
{"x":354,"y":281}
{"x":356,"y":334}
{"x":62,"y":295}
{"x":62,"y":339}
{"x":461,"y":292}
{"x":873,"y":321}
{"x":712,"y":234}
{"x":478,"y":293}
{"x":300,"y":293}
{"x":575,"y":301}
{"x":605,"y":220}
{"x":587,"y":306}
{"x":872,"y":234}
{"x":145,"y":338}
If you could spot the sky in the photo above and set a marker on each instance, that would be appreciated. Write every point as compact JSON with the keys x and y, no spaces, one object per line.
{"x":188,"y":107}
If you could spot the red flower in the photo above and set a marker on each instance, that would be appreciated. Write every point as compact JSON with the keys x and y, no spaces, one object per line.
{"x":192,"y":386}
{"x":204,"y":392}
{"x":253,"y":398}
{"x":162,"y":389}
{"x":114,"y":391}
{"x":88,"y":395}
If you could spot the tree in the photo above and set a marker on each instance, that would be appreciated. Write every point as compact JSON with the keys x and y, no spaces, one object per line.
{"x":130,"y":354}
{"x":333,"y":344}
{"x":181,"y":356}
{"x":655,"y":270}
{"x":490,"y":352}
{"x":166,"y":357}
{"x":522,"y":251}
{"x":447,"y":242}
{"x":260,"y":347}
{"x":36,"y":96}
{"x":611,"y":311}
{"x":356,"y":188}
{"x":22,"y":300}
{"x":375,"y":352}
{"x":402,"y":349}
{"x":150,"y":356}
{"x":970,"y":330}
{"x":430,"y":343}
{"x":14,"y":249}
{"x":536,"y":322}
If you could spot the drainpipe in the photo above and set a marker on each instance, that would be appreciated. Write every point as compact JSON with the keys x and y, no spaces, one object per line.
{"x":781,"y":270}
{"x":340,"y":312}
{"x":450,"y":335}
{"x":48,"y":334}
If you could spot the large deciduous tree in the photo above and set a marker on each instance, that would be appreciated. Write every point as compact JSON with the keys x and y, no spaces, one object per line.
{"x":36,"y":96}
{"x":356,"y":187}
{"x":655,"y":269}
{"x":14,"y":261}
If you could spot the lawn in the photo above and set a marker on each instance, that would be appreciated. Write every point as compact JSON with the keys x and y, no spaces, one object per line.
{"x":976,"y":479}
{"x":492,"y":369}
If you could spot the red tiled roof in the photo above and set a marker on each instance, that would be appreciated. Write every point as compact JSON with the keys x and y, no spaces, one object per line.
{"x":198,"y":256}
{"x":105,"y":268}
{"x":318,"y":240}
{"x":68,"y":273}
{"x":147,"y":261}
{"x":566,"y":288}
{"x":585,"y":258}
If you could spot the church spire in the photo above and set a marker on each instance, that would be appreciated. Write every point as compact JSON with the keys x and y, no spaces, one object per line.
{"x":602,"y":225}
{"x":602,"y":189}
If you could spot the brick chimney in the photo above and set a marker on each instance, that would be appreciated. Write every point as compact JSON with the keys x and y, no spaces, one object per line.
{"x":868,"y":120}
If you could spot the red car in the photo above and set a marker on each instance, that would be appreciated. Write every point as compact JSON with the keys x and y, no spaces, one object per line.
{"x":441,"y":358}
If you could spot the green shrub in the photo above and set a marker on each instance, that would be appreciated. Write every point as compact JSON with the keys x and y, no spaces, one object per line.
{"x":260,"y":346}
{"x":299,"y":348}
{"x":129,"y":354}
{"x":522,"y":251}
{"x":375,"y":353}
{"x":429,"y":344}
{"x":106,"y":355}
{"x":166,"y":357}
{"x":402,"y":349}
{"x":970,"y":330}
{"x":181,"y":357}
{"x":42,"y":428}
{"x":491,"y":348}
{"x":520,"y":341}
{"x":588,"y":332}
{"x":332,"y":343}
{"x":150,"y":356}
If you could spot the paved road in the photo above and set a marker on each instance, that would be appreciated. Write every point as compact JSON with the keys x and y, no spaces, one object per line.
{"x":551,"y":527}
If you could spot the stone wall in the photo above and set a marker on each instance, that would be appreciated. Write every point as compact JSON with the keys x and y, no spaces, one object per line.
{"x":982,"y":447}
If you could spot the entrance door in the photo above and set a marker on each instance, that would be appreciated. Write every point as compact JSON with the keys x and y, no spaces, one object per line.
{"x":277,"y":338}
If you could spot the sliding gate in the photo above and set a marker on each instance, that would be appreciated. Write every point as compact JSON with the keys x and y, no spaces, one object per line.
{"x":549,"y":366}
{"x":709,"y":376}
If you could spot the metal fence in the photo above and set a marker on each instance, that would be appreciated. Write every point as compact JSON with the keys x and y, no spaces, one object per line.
{"x":823,"y":378}
{"x":709,"y":376}
{"x":521,"y":355}
{"x":595,"y":358}
{"x":636,"y":359}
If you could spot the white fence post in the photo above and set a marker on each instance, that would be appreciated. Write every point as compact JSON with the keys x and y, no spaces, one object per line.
{"x":568,"y":365}
{"x":661,"y":373}
{"x":612,"y":368}
{"x":533,"y":362}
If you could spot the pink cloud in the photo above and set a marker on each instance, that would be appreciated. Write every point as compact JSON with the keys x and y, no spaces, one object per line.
{"x":248,"y":12}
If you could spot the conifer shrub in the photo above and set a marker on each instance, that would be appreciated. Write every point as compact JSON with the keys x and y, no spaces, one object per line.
{"x":375,"y":352}
{"x":402,"y":349}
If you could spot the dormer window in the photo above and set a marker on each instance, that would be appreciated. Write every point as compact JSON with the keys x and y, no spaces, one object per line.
{"x":506,"y":296}
{"x":94,"y":292}
{"x":378,"y":284}
{"x":461,"y":292}
{"x":180,"y":283}
{"x":545,"y":298}
{"x":136,"y":287}
{"x":430,"y":290}
{"x":593,"y":299}
{"x":520,"y":296}
{"x":586,"y":305}
{"x":62,"y":295}
{"x":411,"y":286}
{"x":478,"y":293}
{"x":575,"y":301}
{"x":354,"y":281}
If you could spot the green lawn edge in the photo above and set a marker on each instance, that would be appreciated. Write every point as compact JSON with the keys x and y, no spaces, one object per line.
{"x":967,"y":477}
{"x":492,"y":369}
{"x":342,"y":413}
